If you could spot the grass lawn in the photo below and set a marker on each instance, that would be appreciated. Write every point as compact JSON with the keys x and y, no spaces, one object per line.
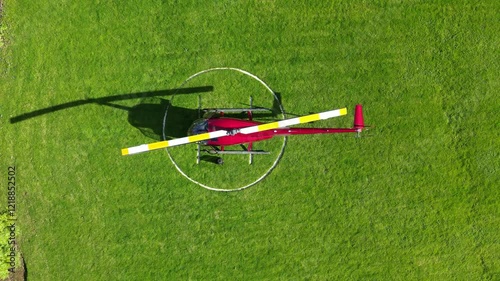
{"x":417,"y":199}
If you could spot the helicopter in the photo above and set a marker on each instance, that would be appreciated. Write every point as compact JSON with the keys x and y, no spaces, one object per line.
{"x":214,"y":131}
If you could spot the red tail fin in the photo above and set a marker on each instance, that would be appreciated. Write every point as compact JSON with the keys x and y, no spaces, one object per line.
{"x":359,"y":123}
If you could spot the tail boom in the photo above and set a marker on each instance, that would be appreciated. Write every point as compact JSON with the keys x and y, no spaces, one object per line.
{"x":359,"y":125}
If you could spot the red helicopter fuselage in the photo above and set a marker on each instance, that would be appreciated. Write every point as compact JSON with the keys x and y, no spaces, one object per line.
{"x":223,"y":123}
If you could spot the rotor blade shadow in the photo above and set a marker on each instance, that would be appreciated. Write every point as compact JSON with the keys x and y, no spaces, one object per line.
{"x":107,"y":101}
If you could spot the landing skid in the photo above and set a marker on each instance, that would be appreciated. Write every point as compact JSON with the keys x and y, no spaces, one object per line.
{"x":235,"y":110}
{"x":219,"y":160}
{"x":244,"y":152}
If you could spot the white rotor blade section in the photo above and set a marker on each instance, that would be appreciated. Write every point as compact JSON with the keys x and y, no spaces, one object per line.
{"x":247,"y":130}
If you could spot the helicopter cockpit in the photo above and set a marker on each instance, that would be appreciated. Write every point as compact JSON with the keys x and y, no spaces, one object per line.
{"x":199,"y":126}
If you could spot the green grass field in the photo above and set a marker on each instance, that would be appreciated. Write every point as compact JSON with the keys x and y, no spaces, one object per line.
{"x":417,"y":200}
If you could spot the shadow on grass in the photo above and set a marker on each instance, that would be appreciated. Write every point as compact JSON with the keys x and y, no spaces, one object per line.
{"x":107,"y":101}
{"x":210,"y":159}
{"x":148,"y":118}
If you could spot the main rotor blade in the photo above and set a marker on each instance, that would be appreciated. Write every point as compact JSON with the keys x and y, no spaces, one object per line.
{"x":247,"y":130}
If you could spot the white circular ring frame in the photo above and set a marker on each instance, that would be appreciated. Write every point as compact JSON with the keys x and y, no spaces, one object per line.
{"x":277,"y":158}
